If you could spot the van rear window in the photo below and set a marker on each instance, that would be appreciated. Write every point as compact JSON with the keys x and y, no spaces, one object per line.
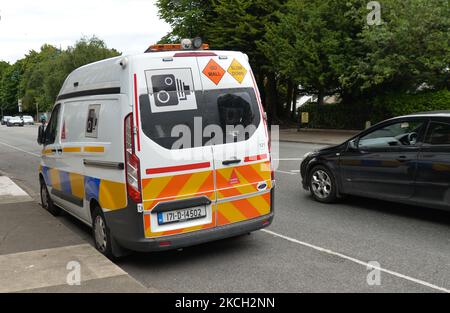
{"x":221,"y":116}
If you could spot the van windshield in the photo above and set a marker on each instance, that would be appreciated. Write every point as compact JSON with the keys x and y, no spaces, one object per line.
{"x":217,"y":117}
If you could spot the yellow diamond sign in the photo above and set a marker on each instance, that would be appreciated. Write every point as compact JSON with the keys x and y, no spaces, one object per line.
{"x":237,"y":71}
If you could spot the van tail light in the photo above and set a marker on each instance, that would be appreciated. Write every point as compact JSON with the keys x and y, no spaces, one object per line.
{"x":132,"y":167}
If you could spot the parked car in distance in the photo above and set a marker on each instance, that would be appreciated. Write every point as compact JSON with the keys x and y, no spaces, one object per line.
{"x":15,"y":121}
{"x":28,"y":120}
{"x":5,"y":119}
{"x":405,"y":159}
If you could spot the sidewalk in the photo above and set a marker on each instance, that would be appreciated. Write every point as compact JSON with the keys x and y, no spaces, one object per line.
{"x":316,"y":136}
{"x":38,"y":253}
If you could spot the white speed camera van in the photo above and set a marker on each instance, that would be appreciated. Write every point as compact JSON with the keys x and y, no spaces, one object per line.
{"x":161,"y":150}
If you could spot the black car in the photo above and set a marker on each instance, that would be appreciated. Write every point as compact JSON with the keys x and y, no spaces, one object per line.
{"x":404,"y":159}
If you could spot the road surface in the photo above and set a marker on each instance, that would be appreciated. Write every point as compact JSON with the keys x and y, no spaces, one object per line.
{"x":310,"y":247}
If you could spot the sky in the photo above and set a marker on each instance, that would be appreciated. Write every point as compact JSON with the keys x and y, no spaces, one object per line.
{"x":129,"y":26}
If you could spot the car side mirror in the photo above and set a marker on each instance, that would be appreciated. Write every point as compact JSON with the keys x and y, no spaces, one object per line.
{"x":353,"y":145}
{"x":41,"y":135}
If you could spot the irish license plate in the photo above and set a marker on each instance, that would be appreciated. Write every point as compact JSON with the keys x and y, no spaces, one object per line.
{"x":181,"y":215}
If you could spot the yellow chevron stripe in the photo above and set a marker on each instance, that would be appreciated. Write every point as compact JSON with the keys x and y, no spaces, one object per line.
{"x":230,"y":212}
{"x":260,"y":204}
{"x":263,"y":169}
{"x":194,"y":183}
{"x":54,"y":178}
{"x":77,"y":185}
{"x":154,"y":187}
{"x":72,"y":149}
{"x":112,"y":195}
{"x":94,"y":149}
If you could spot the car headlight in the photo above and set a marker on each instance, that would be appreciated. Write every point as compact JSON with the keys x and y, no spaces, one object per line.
{"x":308,"y":154}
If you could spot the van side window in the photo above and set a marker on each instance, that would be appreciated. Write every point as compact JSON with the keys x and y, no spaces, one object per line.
{"x":51,"y":131}
{"x":438,"y":134}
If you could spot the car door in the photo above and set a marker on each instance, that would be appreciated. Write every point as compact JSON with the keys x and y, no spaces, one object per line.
{"x":51,"y":154}
{"x":433,"y":175}
{"x":383,"y":162}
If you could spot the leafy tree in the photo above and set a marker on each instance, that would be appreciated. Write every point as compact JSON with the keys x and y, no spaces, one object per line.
{"x":187,"y":18}
{"x":241,"y":26}
{"x":9,"y":87}
{"x":38,"y":77}
{"x":409,"y":49}
{"x":327,"y":47}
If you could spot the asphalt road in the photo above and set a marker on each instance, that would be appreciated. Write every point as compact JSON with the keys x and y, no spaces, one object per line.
{"x":310,"y":247}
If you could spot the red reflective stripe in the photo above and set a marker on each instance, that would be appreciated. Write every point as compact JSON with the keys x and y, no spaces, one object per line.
{"x":136,"y":113}
{"x":255,"y":158}
{"x":258,"y":98}
{"x":177,"y":168}
{"x":194,"y":54}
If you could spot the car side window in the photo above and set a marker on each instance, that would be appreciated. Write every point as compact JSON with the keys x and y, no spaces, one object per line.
{"x":438,"y":134}
{"x":52,"y":128}
{"x":400,"y":134}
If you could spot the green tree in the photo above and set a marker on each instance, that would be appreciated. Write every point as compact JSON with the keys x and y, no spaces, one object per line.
{"x":409,"y":49}
{"x":328,"y":47}
{"x":241,"y":26}
{"x":9,"y":87}
{"x":188,"y":18}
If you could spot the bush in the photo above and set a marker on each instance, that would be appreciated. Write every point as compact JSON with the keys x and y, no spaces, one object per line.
{"x":355,"y":115}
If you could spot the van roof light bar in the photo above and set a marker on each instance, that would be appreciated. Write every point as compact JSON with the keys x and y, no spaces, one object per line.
{"x":186,"y":44}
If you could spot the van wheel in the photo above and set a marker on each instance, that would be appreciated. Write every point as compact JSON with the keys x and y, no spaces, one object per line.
{"x":101,"y":233}
{"x":322,"y":184}
{"x":47,"y":202}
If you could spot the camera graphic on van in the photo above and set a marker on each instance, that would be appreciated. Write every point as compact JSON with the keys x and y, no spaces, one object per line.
{"x":169,"y":90}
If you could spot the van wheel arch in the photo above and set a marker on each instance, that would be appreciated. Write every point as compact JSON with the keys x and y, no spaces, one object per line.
{"x":115,"y":250}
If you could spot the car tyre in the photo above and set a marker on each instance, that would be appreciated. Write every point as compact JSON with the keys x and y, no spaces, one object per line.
{"x":47,"y":202}
{"x":322,"y":184}
{"x":101,"y":233}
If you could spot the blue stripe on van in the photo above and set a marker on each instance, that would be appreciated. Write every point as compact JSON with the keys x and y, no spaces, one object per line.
{"x":64,"y":180}
{"x":91,"y":187}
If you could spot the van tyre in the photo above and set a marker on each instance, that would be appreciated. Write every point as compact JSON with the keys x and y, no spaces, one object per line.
{"x":101,"y":233}
{"x":322,"y":184}
{"x":47,"y":202}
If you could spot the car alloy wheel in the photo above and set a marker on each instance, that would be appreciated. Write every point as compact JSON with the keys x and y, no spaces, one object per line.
{"x":321,"y":184}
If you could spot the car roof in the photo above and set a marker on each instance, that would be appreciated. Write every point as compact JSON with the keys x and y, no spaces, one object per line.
{"x":443,"y":113}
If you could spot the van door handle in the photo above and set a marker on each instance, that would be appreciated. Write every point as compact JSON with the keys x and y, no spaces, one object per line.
{"x":402,"y":158}
{"x":230,"y":162}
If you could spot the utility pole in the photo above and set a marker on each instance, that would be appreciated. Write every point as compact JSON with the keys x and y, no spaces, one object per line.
{"x":37,"y":112}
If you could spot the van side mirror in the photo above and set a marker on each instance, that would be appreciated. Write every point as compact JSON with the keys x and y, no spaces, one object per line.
{"x":353,"y":145}
{"x":41,"y":135}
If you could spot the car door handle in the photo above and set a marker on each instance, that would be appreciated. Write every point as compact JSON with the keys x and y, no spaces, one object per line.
{"x":402,"y":158}
{"x":230,"y":162}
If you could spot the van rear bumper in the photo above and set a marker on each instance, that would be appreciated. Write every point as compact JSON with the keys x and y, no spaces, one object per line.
{"x":198,"y":237}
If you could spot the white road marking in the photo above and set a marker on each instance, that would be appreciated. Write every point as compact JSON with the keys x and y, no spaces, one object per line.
{"x":11,"y":193}
{"x":365,"y":264}
{"x":284,"y":172}
{"x":18,"y":149}
{"x":9,"y":188}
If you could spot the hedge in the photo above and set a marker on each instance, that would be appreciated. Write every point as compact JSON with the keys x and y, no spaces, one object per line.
{"x":355,"y":115}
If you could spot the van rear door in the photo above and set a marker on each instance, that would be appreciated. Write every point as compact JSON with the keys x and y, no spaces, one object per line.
{"x":241,"y":155}
{"x":177,"y":168}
